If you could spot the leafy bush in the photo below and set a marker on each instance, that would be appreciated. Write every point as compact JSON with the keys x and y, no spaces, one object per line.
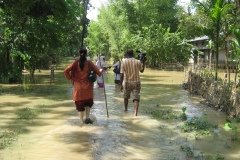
{"x":197,"y":124}
{"x":28,"y":113}
{"x":164,"y":114}
{"x":6,"y":138}
{"x":183,"y":116}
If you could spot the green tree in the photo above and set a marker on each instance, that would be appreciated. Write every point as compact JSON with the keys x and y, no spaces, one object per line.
{"x":139,"y":25}
{"x":190,"y":24}
{"x":97,"y":40}
{"x":215,"y":11}
{"x":37,"y":33}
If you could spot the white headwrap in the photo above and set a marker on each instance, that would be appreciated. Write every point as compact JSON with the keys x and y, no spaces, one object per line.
{"x":101,"y":62}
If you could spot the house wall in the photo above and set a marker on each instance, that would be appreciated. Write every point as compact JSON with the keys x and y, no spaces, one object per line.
{"x":221,"y":57}
{"x":200,"y":43}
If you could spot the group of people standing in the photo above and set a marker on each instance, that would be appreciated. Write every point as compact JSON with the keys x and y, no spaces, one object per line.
{"x":101,"y":64}
{"x":126,"y":73}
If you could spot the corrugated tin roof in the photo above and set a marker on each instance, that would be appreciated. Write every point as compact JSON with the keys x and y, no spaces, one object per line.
{"x":198,"y":39}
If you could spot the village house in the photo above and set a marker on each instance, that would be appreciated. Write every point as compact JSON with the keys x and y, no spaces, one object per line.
{"x":201,"y":52}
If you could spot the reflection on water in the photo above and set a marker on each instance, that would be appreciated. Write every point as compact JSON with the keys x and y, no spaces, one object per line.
{"x":121,"y":136}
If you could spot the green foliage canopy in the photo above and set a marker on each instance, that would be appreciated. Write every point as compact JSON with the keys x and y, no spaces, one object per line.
{"x":36,"y":33}
{"x":146,"y":25}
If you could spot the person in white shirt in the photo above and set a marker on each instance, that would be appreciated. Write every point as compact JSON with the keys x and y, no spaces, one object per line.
{"x":101,"y":64}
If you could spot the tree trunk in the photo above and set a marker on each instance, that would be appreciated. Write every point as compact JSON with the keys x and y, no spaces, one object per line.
{"x":217,"y":49}
{"x":210,"y":59}
{"x":32,"y":79}
{"x":226,"y":61}
{"x":84,"y":22}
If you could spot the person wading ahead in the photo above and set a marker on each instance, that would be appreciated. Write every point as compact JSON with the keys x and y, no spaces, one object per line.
{"x":130,"y":79}
{"x":78,"y":73}
{"x":116,"y":70}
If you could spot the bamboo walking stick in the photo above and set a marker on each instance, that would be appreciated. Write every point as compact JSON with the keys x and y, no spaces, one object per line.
{"x":104,"y":89}
{"x":105,"y":96}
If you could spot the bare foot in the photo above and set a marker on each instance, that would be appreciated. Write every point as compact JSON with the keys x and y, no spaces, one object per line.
{"x":81,"y":124}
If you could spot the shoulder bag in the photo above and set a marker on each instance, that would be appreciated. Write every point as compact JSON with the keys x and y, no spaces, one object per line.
{"x":92,"y":75}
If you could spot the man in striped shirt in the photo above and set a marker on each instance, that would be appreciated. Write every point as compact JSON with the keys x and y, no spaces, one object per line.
{"x":130,"y":79}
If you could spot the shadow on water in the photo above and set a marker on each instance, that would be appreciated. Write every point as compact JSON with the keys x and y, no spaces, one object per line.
{"x":41,"y":89}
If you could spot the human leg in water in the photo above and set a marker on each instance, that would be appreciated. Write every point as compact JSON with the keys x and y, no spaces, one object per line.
{"x":88,"y":120}
{"x":136,"y":105}
{"x":126,"y":104}
{"x":81,"y":115}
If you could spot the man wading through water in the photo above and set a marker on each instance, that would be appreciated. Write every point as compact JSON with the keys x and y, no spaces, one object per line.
{"x":130,"y":80}
{"x":78,"y":73}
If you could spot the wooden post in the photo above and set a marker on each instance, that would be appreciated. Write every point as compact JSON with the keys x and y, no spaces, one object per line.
{"x":52,"y":68}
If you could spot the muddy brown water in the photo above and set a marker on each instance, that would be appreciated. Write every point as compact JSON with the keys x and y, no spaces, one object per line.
{"x":121,"y":136}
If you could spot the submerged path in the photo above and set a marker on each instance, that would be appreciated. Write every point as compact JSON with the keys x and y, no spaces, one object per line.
{"x":121,"y":136}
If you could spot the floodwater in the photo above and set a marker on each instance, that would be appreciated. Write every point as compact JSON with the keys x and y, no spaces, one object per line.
{"x":123,"y":136}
